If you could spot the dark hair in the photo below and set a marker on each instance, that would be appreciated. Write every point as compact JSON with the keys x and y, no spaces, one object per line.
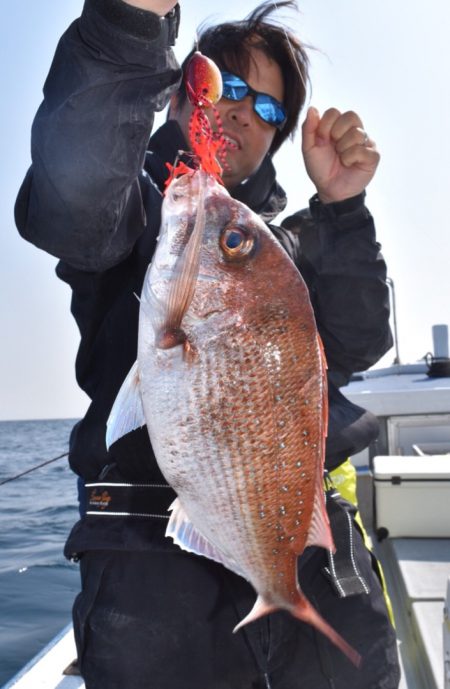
{"x":229,"y":46}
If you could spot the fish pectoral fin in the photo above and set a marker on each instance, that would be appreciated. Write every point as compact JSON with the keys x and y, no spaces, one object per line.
{"x":260,"y":609}
{"x":187,"y":537}
{"x":127,"y":412}
{"x":319,"y":532}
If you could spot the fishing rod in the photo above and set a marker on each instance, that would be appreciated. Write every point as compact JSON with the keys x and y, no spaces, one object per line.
{"x":28,"y":471}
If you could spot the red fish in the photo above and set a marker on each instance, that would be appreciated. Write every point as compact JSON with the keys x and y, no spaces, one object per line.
{"x":230,"y":380}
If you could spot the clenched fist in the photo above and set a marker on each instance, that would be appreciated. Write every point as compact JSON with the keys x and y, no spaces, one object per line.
{"x":340,"y":158}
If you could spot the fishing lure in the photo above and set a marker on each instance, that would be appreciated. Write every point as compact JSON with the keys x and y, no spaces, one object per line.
{"x":203,"y":83}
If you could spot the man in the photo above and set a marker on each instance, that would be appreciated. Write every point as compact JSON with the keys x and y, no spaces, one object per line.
{"x":150,"y":615}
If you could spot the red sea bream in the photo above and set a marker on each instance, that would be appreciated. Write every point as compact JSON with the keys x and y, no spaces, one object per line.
{"x":230,"y":380}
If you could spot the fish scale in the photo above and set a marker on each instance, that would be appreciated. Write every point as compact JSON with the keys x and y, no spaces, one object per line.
{"x":219,"y":428}
{"x":229,"y":432}
{"x":230,"y":380}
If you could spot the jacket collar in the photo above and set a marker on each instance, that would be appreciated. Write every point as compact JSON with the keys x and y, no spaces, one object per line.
{"x":260,"y":192}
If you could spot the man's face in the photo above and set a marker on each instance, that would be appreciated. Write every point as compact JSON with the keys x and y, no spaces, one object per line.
{"x":251,"y":135}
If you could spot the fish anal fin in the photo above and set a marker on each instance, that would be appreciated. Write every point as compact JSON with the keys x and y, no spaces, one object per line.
{"x":260,"y":609}
{"x":188,"y":537}
{"x":319,"y":532}
{"x":127,"y":413}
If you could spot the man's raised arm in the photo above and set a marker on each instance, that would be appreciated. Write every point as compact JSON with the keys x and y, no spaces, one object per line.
{"x":113,"y":68}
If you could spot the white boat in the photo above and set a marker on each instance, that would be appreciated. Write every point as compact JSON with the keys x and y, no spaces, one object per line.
{"x":52,"y":668}
{"x":404,"y":497}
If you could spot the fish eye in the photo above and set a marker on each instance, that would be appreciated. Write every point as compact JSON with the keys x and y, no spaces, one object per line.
{"x":236,"y":242}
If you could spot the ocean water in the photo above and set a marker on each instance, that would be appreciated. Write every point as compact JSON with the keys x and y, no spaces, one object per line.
{"x":37,"y":584}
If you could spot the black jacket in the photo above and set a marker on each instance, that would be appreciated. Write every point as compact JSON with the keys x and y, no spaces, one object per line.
{"x":93,"y":199}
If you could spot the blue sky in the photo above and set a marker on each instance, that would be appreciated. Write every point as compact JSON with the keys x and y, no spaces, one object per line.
{"x":389,"y":61}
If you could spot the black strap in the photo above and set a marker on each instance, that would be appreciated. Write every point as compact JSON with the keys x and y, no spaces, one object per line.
{"x":342,"y":569}
{"x":150,"y":500}
{"x":128,"y":499}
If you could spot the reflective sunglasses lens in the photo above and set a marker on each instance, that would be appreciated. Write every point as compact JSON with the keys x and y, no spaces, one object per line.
{"x":265,"y":106}
{"x":270,"y":110}
{"x":233,"y":87}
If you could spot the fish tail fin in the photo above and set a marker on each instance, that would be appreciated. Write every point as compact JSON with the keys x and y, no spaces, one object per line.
{"x":304,"y":611}
{"x":261,"y":608}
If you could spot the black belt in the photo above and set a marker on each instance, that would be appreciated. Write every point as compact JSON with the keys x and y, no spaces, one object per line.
{"x":151,"y":500}
{"x":129,"y":499}
{"x":343,"y":570}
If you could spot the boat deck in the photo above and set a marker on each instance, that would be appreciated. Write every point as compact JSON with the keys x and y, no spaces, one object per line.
{"x":417,"y":571}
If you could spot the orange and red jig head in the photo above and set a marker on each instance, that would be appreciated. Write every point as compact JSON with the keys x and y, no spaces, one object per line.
{"x":203,"y":83}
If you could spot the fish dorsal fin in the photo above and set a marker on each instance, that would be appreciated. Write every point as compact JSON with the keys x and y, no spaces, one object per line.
{"x":187,"y":537}
{"x":127,"y":412}
{"x":319,"y":532}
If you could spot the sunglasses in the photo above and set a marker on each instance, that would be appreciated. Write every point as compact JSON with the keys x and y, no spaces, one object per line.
{"x":268,"y":108}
